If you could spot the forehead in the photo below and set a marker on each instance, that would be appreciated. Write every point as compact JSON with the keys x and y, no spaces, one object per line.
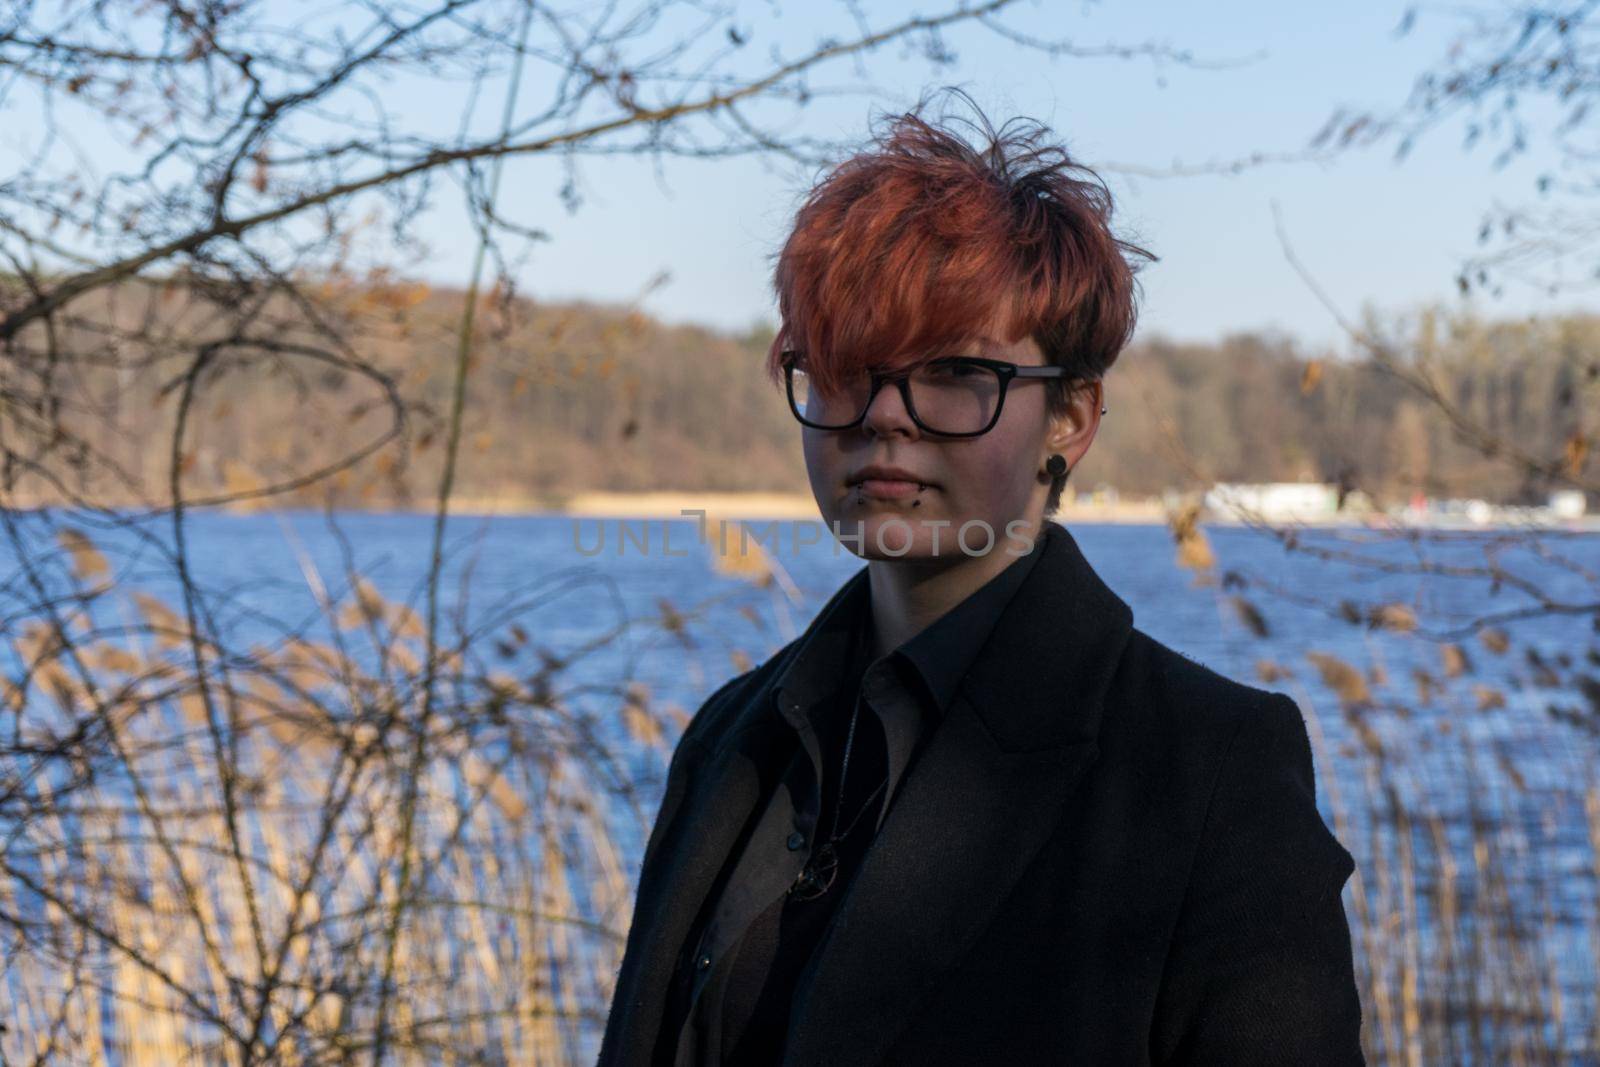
{"x":988,"y":339}
{"x":990,"y":346}
{"x":1024,"y":350}
{"x":889,"y":344}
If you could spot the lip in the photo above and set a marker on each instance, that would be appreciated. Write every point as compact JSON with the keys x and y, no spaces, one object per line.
{"x":887,"y":483}
{"x":888,"y":490}
{"x":878,"y":472}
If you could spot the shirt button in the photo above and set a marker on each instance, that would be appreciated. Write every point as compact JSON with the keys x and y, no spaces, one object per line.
{"x":796,"y":839}
{"x":703,"y":962}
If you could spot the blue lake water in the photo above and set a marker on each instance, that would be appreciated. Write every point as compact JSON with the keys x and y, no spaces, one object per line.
{"x":542,"y":572}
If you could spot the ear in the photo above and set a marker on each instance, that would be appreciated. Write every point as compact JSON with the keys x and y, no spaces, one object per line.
{"x":1072,"y":431}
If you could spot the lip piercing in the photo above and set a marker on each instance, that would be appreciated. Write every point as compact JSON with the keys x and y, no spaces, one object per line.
{"x":861,"y":493}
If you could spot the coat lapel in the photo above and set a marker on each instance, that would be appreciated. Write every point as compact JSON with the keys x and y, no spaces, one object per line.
{"x":720,"y":798}
{"x":975,"y":809}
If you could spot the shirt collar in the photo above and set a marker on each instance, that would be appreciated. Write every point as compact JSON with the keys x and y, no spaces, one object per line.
{"x":833,"y":653}
{"x":941,"y":652}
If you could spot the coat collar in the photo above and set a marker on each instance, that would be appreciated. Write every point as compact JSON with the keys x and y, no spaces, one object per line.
{"x":946,"y":648}
{"x":1038,"y":679}
{"x":976,"y":806}
{"x":831,"y":658}
{"x":940,"y":654}
{"x":1041,"y":678}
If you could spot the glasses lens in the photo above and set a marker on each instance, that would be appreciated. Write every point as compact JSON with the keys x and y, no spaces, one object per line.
{"x":949,"y":396}
{"x":837,"y":407}
{"x":955,"y":396}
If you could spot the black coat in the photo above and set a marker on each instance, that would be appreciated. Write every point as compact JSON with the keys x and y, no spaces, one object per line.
{"x":1106,"y":853}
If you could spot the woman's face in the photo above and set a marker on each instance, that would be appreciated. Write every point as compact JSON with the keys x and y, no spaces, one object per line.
{"x":991,"y":479}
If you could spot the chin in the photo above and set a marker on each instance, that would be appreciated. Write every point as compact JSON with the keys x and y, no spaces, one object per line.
{"x":896,"y":531}
{"x":906,"y":533}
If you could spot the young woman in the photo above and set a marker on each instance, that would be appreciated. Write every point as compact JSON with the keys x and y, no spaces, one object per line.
{"x":973,"y":815}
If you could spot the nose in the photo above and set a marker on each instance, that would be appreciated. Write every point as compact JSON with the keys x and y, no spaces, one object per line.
{"x":887,"y":413}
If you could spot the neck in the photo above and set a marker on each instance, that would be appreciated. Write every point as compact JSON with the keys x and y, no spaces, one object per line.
{"x":910,"y":594}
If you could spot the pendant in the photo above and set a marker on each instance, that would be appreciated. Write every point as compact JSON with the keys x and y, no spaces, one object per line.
{"x":817,"y":875}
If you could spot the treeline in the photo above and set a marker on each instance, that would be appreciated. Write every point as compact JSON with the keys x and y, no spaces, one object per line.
{"x":577,"y":396}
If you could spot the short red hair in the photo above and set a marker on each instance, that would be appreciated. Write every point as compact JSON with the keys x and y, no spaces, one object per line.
{"x":918,"y":242}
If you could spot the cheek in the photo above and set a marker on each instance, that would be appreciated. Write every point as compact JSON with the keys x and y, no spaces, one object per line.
{"x":820,"y":458}
{"x":995,"y":470}
{"x":826,"y":465}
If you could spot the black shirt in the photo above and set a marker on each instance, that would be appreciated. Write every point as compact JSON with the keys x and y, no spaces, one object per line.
{"x":748,"y":950}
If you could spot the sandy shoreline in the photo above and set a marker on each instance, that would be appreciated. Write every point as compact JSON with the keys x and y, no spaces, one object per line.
{"x":682,"y":504}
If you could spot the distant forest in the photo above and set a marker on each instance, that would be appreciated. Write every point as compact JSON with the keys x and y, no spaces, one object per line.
{"x":568,"y":397}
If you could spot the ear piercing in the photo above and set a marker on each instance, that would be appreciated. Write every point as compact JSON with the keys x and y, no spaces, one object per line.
{"x":1056,"y":465}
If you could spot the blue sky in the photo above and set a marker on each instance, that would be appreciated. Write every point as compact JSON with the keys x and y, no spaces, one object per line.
{"x":1373,"y":232}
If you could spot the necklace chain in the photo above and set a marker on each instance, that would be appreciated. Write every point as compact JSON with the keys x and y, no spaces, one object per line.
{"x":818,"y":874}
{"x":844,"y":769}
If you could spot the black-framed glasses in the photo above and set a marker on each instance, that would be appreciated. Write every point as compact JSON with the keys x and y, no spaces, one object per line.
{"x":953,"y":396}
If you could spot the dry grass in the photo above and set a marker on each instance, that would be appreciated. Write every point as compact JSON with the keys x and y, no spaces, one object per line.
{"x":202,"y":849}
{"x":1476,"y":835}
